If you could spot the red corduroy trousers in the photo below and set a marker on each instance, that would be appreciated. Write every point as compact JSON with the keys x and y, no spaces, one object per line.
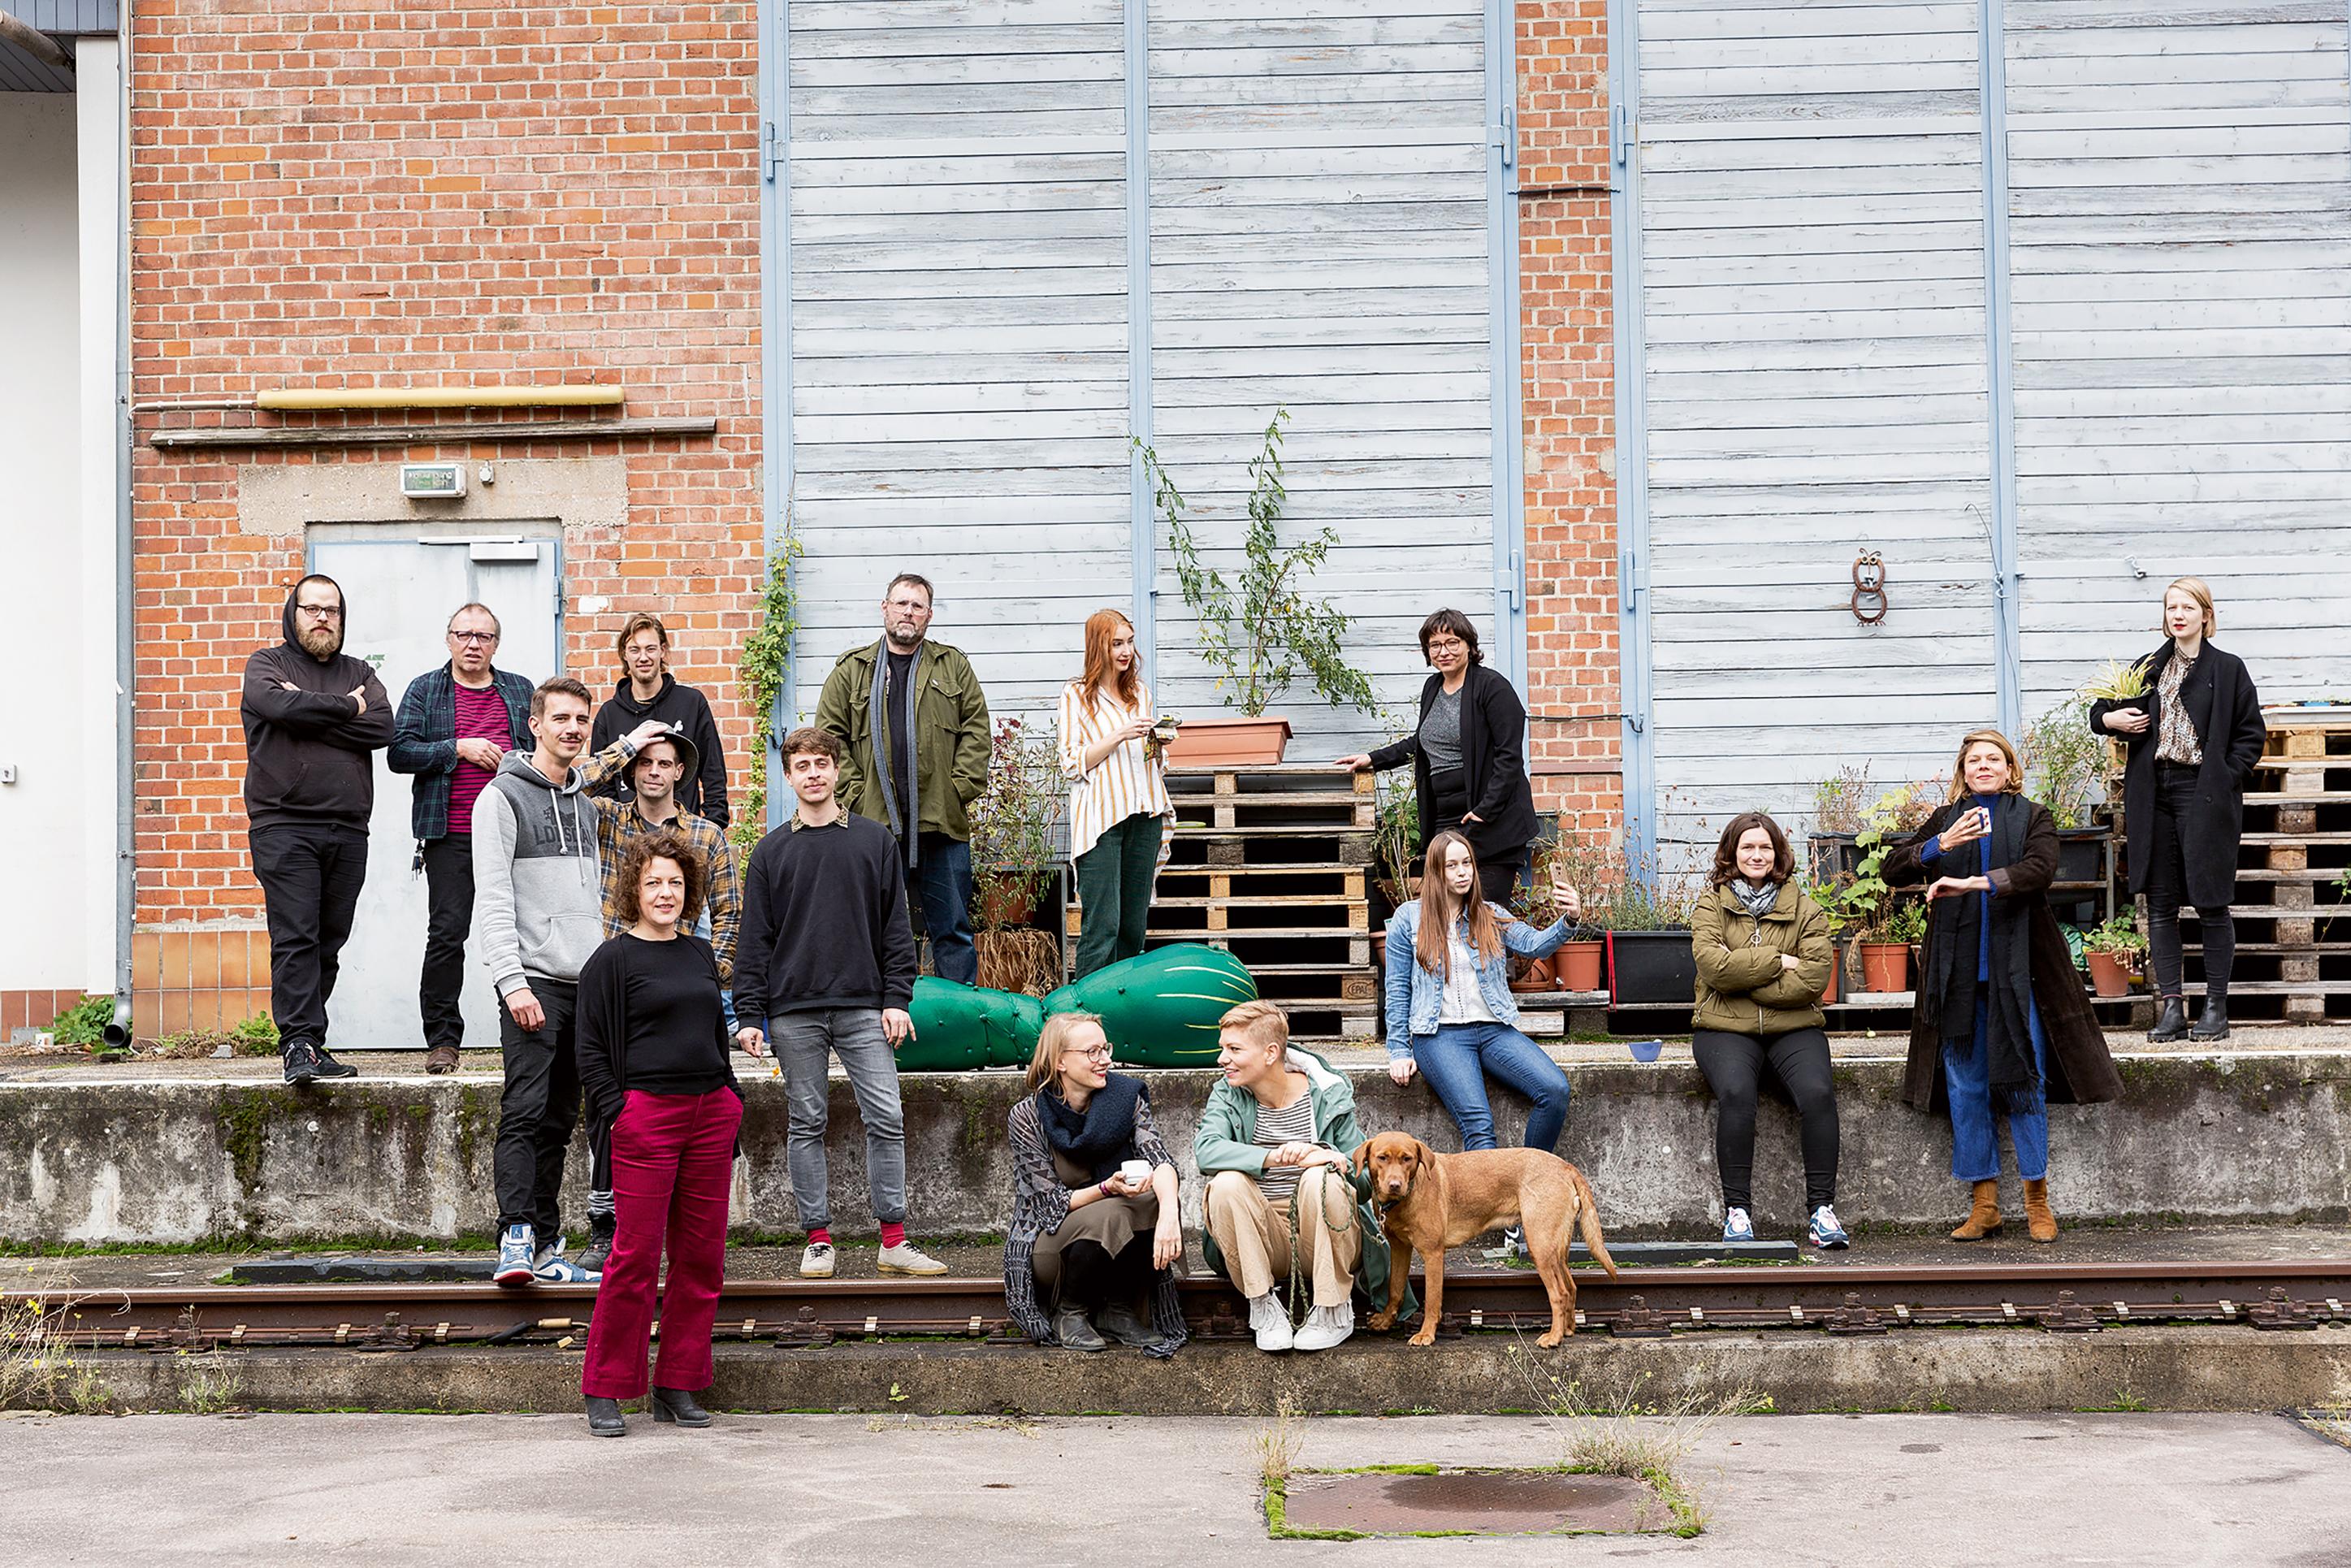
{"x":673,"y":1159}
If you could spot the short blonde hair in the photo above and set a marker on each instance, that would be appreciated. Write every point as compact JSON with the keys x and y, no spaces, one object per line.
{"x":2015,"y":785}
{"x":1045,"y":1066}
{"x":1259,"y":1022}
{"x":2197,"y":590}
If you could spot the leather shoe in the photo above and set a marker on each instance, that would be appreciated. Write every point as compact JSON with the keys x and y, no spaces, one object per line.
{"x":604,"y":1417}
{"x":2171,"y":1023}
{"x":1070,"y":1328}
{"x":2212,"y":1022}
{"x":441,"y":1059}
{"x":1121,"y":1321}
{"x":677,"y":1404}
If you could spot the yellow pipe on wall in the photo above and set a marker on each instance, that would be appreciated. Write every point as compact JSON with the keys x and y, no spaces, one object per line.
{"x":328,"y":398}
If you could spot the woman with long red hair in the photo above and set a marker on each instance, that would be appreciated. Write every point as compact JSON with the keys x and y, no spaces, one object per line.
{"x":1118,"y":792}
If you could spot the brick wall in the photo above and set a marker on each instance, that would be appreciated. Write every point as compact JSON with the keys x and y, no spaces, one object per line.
{"x":1566,"y":326}
{"x":367,"y":193}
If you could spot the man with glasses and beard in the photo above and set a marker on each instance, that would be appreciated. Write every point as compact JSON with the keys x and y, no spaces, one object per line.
{"x":312,"y":715}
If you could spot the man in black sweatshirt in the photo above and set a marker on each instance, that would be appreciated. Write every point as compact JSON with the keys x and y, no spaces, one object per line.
{"x":824,"y":963}
{"x":313,"y":716}
{"x":648,"y":693}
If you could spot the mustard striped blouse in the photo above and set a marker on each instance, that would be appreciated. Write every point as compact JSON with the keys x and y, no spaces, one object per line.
{"x":1131,"y":780}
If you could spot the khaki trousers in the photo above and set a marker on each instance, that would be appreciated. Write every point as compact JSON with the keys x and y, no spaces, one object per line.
{"x":1252,"y":1231}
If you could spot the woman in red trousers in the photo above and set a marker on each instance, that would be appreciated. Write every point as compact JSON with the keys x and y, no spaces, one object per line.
{"x":655,"y":1063}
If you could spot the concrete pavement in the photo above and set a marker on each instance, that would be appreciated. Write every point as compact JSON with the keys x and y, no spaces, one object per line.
{"x":880,"y":1492}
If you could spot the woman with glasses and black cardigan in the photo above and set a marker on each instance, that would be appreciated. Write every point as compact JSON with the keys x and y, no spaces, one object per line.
{"x":1468,"y":757}
{"x":2189,"y":744}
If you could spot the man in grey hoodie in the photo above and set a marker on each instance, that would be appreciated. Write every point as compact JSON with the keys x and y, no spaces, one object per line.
{"x":538,"y":912}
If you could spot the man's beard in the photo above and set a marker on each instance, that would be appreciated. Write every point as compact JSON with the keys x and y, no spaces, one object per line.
{"x":322,"y":642}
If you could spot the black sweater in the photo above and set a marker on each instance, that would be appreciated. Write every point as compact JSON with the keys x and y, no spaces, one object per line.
{"x":307,"y":752}
{"x":649,"y":1017}
{"x":824,"y":923}
{"x":681,"y":707}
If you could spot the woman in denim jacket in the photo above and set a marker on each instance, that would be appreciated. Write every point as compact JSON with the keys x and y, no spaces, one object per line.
{"x":1449,"y":1011}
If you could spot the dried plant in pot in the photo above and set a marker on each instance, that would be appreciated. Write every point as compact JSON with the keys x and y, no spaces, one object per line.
{"x":1013,"y":861}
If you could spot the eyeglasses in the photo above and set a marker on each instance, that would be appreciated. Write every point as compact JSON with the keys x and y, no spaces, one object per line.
{"x":322,"y":612}
{"x":1445,"y":644}
{"x":1091,"y":1052}
{"x":472,"y":636}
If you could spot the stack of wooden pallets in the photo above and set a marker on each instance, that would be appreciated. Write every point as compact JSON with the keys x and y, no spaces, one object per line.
{"x":1271,"y":864}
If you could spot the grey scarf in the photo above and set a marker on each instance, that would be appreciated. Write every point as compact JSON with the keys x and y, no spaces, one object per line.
{"x":1757,"y":899}
{"x":878,"y":726}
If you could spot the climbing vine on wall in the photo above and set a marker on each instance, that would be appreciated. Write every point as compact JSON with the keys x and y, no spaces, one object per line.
{"x":765,"y":654}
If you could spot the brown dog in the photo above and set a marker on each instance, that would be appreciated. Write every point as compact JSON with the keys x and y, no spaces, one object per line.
{"x":1427,"y":1202}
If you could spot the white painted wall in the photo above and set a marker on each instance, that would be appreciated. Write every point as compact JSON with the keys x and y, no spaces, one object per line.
{"x":44,"y":718}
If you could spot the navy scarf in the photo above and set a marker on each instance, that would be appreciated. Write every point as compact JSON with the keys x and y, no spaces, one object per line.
{"x":1100,"y":1138}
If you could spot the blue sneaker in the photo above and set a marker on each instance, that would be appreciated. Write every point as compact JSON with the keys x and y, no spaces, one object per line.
{"x":518,"y":1249}
{"x":1736,"y":1226}
{"x":1826,"y":1232}
{"x":552,"y":1268}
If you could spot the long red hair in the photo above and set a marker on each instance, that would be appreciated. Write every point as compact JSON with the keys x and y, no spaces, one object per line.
{"x":1101,"y":672}
{"x":1432,"y":946}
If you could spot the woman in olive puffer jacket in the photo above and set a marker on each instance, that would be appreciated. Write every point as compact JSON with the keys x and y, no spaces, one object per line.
{"x":1764,"y":960}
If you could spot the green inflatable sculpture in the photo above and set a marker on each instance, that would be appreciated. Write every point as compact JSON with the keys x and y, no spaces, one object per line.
{"x":1159,"y":1010}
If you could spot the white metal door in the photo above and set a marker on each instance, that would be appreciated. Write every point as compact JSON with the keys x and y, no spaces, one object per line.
{"x":399,"y":591}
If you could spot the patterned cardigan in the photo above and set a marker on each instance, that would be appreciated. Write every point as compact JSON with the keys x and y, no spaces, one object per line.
{"x":1040,"y":1204}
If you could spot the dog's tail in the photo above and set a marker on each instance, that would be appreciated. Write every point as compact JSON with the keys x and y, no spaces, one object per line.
{"x":1587,"y":1225}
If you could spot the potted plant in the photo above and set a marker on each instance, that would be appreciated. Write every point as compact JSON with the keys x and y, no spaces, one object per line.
{"x":1580,"y":960}
{"x":1825,"y":895}
{"x":2117,"y":682}
{"x":1885,"y":942}
{"x":1645,"y":915}
{"x":1261,"y":637}
{"x":1533,"y":903}
{"x":1863,"y":902}
{"x":1838,"y":803}
{"x":2114,"y":950}
{"x":2065,"y":766}
{"x":1014,"y":864}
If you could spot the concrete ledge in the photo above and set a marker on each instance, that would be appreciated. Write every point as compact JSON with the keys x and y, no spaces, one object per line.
{"x":2257,"y":1136}
{"x":2010,"y":1370}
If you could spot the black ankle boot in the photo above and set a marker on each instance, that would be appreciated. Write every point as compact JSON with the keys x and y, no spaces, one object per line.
{"x":2171,"y":1022}
{"x":2212,"y":1023}
{"x":604,"y":1417}
{"x":677,"y":1404}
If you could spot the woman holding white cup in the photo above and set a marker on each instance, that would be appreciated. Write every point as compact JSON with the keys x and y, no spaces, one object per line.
{"x":1095,"y":1236}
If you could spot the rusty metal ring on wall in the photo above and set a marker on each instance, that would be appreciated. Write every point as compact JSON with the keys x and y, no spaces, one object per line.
{"x":1869,"y":603}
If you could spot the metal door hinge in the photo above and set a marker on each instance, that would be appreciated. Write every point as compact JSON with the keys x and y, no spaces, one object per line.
{"x":1622,"y":126}
{"x":1504,"y":136}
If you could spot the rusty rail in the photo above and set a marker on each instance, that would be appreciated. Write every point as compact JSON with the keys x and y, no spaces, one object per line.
{"x":1656,"y":1302}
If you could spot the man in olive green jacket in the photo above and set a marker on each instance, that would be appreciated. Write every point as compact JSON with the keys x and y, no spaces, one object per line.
{"x":913,"y":721}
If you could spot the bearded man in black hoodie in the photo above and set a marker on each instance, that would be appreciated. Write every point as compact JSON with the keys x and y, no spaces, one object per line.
{"x":312,"y":715}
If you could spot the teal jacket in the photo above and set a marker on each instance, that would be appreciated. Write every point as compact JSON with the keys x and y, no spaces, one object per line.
{"x":1226,"y":1142}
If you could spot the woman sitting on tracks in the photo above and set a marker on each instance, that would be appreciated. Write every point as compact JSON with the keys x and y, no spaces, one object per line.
{"x":1763,"y":958}
{"x":655,"y":1063}
{"x":1095,"y":1234}
{"x":2001,"y":1023}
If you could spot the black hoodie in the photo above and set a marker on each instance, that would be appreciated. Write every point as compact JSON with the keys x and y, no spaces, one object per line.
{"x":681,"y":707}
{"x":307,"y":751}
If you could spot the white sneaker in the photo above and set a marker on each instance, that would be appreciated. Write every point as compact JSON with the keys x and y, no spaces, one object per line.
{"x":816,"y":1260}
{"x":1326,"y":1326}
{"x":1271,"y":1321}
{"x":908,"y":1259}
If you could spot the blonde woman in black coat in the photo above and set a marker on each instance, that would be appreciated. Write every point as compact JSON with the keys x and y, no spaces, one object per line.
{"x":2190,"y":742}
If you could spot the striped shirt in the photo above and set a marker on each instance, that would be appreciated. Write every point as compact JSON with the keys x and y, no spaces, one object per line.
{"x":1292,"y":1124}
{"x":1131,"y":781}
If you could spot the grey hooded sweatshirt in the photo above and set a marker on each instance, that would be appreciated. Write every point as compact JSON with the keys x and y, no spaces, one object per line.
{"x":539,"y":902}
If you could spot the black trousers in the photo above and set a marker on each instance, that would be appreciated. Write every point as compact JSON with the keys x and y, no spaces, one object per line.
{"x":449,"y":916}
{"x":1733,"y":1065}
{"x":1091,"y":1279}
{"x":2167,"y":890}
{"x":1496,"y":873}
{"x":310,"y":876}
{"x":538,"y":1111}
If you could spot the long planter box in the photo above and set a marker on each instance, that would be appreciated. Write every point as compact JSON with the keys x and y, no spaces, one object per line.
{"x":1651,"y":967}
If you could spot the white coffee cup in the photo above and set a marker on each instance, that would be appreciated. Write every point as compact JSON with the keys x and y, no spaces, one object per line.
{"x":1136,"y":1171}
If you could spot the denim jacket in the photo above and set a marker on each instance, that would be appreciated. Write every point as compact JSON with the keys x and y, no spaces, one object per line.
{"x":1416,"y":997}
{"x":425,"y":740}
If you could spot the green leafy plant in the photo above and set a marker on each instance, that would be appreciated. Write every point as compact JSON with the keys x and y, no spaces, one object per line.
{"x":1901,"y":921}
{"x":1261,"y":640}
{"x":766,"y":652}
{"x":84,"y":1023}
{"x":2065,"y":762}
{"x":2117,"y":682}
{"x":2118,"y":938}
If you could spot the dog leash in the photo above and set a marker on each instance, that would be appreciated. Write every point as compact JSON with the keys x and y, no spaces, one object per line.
{"x":1297,"y":1247}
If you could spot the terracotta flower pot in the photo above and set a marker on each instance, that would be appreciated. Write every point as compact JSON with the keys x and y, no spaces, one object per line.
{"x":1578,"y":964}
{"x":1885,"y":966}
{"x":1229,"y":743}
{"x":1380,"y":951}
{"x":1540,"y":975}
{"x":2108,"y":977}
{"x":1836,"y":972}
{"x":1001,"y":905}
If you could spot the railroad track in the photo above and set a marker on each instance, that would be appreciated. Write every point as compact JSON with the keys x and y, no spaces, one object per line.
{"x":1640,"y":1303}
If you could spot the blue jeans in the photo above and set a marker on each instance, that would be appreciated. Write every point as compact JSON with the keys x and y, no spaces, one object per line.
{"x":1967,"y":1082}
{"x":940,"y":884}
{"x":1456,"y":1060}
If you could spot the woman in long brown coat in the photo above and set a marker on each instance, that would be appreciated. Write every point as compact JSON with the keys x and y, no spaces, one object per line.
{"x":2000,"y":1025}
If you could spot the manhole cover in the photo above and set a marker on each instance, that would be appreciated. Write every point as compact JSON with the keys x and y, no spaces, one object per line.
{"x":1476,"y":1502}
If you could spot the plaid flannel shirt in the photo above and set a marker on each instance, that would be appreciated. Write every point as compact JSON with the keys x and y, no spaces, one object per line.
{"x":619,"y":824}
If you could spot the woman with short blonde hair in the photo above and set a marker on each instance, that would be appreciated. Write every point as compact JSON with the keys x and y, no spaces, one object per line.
{"x":2189,"y":746}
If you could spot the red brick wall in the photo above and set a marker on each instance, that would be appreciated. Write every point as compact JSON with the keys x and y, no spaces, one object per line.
{"x":368,"y":193}
{"x":1567,"y":363}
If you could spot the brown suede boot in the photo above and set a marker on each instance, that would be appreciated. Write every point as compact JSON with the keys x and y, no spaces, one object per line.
{"x":1984,"y":1217}
{"x":2039,"y":1223}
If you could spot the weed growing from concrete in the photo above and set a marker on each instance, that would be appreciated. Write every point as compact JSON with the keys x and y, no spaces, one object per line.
{"x":210,"y":1383}
{"x":1277,"y":1444}
{"x":37,"y":1371}
{"x":1627,"y":1431}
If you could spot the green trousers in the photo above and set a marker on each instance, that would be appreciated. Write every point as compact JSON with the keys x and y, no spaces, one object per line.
{"x":1115,"y":892}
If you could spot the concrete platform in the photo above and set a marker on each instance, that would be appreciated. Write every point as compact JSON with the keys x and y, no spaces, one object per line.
{"x":204,"y":1153}
{"x":1927,"y":1491}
